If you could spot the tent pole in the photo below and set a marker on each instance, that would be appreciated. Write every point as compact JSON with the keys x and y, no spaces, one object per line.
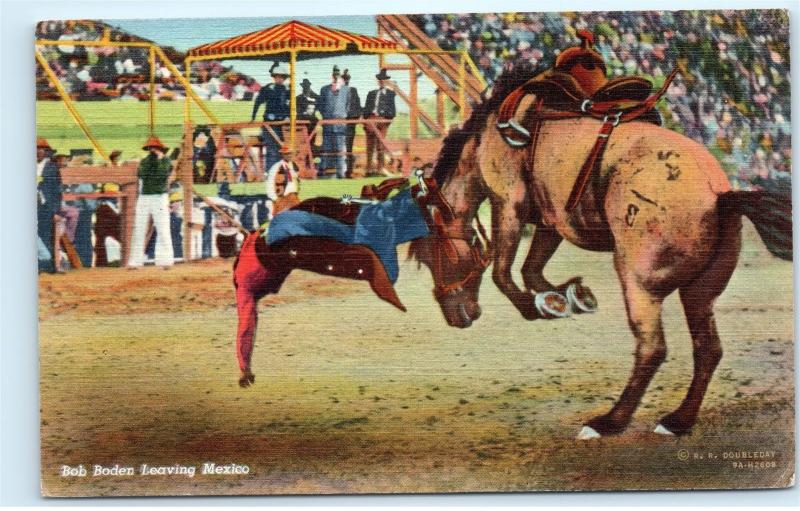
{"x":187,"y":69}
{"x":186,"y":85}
{"x":76,"y":116}
{"x":292,"y":98}
{"x":152,"y":59}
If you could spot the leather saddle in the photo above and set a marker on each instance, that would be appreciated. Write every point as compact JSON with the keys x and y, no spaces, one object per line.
{"x":328,"y":256}
{"x":560,"y":91}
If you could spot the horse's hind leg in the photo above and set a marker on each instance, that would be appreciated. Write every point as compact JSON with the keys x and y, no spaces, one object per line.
{"x":698,"y":302}
{"x":644,"y":317}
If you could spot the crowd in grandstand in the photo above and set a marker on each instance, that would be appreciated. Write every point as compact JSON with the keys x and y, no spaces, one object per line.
{"x":732,"y":93}
{"x":120,"y":72}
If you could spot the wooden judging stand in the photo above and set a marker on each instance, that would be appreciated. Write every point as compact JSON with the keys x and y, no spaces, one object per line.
{"x":124,"y":175}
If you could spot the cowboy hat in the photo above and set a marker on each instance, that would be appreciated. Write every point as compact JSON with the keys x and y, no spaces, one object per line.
{"x":153,"y":141}
{"x":382,"y":75}
{"x":279,"y":71}
{"x":335,"y":71}
{"x":305,"y":83}
{"x":41,"y":143}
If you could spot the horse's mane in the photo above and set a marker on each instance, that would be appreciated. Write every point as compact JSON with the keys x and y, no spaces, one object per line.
{"x":454,"y":142}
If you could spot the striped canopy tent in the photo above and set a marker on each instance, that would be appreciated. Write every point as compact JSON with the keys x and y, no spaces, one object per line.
{"x":290,"y":41}
{"x":293,"y":37}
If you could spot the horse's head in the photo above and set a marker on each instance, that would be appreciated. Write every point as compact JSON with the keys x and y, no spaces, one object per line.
{"x":457,"y":255}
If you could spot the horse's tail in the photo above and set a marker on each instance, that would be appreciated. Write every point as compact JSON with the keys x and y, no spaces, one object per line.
{"x":771,"y":213}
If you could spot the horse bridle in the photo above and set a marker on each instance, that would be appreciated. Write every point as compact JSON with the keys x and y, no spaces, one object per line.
{"x":479,"y":243}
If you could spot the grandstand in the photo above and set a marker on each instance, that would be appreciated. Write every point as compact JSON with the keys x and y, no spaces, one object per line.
{"x":733,"y":92}
{"x":732,"y":95}
{"x":104,"y":73}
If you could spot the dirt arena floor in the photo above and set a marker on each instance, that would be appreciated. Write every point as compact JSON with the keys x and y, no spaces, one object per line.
{"x":353,"y":396}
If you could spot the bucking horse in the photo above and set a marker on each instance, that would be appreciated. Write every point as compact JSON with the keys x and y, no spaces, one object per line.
{"x":656,"y":199}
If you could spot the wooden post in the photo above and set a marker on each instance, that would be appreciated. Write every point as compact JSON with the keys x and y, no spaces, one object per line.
{"x":185,"y":173}
{"x":412,"y":115}
{"x":292,"y":99}
{"x":382,"y":35}
{"x":127,"y":211}
{"x":152,"y":59}
{"x":440,"y":117}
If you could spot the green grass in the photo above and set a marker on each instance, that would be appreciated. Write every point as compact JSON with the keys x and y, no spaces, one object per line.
{"x":124,"y":125}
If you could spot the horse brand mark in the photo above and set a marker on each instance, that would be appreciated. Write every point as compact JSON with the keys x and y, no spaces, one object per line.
{"x":630,"y":218}
{"x":674,"y":172}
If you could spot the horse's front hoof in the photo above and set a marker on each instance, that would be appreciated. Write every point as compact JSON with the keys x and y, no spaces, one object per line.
{"x":588,"y":433}
{"x":581,"y":298}
{"x":246,"y":379}
{"x":552,"y":305}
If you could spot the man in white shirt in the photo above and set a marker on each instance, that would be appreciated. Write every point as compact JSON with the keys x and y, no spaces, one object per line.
{"x":283,"y":179}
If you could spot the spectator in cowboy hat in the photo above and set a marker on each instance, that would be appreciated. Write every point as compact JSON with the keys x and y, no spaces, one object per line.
{"x":307,"y":111}
{"x":283,"y":179}
{"x":333,"y":102}
{"x":307,"y":104}
{"x":153,"y":201}
{"x":275,"y":97}
{"x":380,"y":105}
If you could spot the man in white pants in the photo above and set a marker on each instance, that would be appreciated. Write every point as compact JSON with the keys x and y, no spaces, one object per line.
{"x":153,"y":201}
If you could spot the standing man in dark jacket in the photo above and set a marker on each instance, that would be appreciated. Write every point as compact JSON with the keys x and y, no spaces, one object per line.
{"x":380,"y":105}
{"x":275,"y":97}
{"x":307,"y":111}
{"x":153,"y":201}
{"x":307,"y":105}
{"x":353,"y":112}
{"x":48,"y":187}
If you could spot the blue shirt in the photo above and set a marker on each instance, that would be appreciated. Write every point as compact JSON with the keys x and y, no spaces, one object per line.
{"x":276,"y":98}
{"x":334,"y":105}
{"x":380,"y":227}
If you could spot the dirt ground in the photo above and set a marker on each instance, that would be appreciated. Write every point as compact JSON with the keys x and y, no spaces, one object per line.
{"x":353,"y":396}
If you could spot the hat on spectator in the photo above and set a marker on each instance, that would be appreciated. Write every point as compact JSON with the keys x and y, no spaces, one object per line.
{"x":41,"y":143}
{"x":279,"y":71}
{"x":584,"y":63}
{"x":306,"y":82}
{"x":382,"y":75}
{"x":153,"y":141}
{"x":335,"y":71}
